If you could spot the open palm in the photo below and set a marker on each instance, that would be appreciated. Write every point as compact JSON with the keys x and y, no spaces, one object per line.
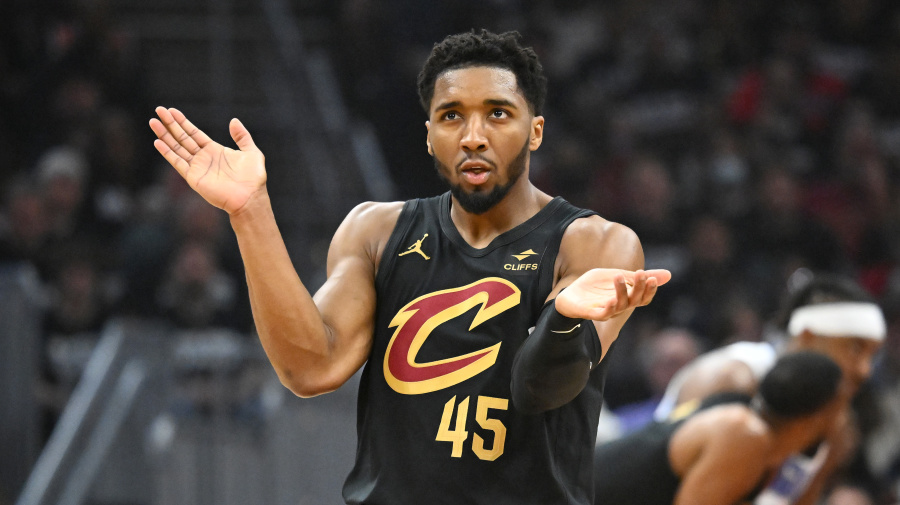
{"x":603,"y":293}
{"x":224,"y":177}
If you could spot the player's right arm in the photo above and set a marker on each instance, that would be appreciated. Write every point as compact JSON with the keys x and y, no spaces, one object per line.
{"x":315,"y":345}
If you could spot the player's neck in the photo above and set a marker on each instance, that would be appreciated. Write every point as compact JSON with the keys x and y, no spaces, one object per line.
{"x":522,"y":202}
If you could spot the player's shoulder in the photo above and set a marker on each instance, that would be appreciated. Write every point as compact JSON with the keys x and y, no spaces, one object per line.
{"x":373,"y":217}
{"x":738,"y":421}
{"x":376,"y":211}
{"x":368,"y":224}
{"x":597,"y":229}
{"x":607,"y":243}
{"x":724,"y":429}
{"x":596,"y":226}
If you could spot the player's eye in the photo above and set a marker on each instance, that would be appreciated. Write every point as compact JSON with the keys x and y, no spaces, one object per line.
{"x":499,"y":114}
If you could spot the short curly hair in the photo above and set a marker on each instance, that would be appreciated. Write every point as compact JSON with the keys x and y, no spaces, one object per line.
{"x":485,"y":49}
{"x":800,"y":383}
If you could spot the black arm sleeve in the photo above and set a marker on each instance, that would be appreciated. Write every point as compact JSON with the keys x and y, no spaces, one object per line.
{"x":555,"y":362}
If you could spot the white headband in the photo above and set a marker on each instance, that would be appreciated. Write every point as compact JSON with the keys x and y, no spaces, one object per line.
{"x":842,"y":319}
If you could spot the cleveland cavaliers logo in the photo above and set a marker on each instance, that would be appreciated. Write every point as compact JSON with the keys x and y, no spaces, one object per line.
{"x":420,"y":317}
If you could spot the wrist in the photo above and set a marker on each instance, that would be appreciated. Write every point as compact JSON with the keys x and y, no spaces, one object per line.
{"x":258,"y":209}
{"x":258,"y":202}
{"x":561,"y":324}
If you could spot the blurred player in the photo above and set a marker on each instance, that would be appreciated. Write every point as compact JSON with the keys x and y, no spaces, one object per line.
{"x":723,"y":454}
{"x":829,"y":314}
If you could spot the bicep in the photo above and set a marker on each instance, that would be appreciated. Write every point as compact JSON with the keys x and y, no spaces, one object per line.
{"x":347,"y":299}
{"x":347,"y":303}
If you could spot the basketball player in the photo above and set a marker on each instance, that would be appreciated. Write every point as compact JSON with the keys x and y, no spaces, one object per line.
{"x":724,"y":454}
{"x":830,"y":314}
{"x":482,"y":315}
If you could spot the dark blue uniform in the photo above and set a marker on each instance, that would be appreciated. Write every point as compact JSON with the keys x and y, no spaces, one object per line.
{"x":435,"y":420}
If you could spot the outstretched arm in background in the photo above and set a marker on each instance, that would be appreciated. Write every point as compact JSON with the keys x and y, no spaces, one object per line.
{"x":315,"y":345}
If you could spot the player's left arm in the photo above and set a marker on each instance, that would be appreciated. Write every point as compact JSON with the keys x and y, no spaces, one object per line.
{"x":599,"y":276}
{"x":598,"y":285}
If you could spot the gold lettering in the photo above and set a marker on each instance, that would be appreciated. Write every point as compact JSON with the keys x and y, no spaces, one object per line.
{"x":524,"y":266}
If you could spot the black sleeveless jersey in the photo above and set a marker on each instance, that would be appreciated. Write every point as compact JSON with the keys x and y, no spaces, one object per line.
{"x":635,"y":469}
{"x":435,"y":422}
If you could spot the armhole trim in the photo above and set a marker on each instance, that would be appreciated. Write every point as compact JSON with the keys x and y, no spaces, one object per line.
{"x":389,"y":256}
{"x":547,"y":278}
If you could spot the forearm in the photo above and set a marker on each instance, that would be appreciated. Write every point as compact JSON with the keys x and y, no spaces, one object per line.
{"x":290,"y":327}
{"x":554,"y":364}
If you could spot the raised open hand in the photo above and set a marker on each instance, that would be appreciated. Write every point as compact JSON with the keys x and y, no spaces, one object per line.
{"x":603,"y":293}
{"x":223,"y":176}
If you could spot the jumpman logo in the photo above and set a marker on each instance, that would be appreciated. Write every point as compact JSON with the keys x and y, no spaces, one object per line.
{"x":417,"y":248}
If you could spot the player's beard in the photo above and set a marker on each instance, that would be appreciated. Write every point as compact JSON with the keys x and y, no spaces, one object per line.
{"x":479,"y":201}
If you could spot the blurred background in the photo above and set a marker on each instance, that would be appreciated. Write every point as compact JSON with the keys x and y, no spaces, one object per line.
{"x":749,"y":144}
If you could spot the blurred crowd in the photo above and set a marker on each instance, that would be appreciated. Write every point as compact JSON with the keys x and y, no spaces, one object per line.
{"x":745,"y":142}
{"x":87,"y":204}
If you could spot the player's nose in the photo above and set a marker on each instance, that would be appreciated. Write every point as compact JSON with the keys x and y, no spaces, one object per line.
{"x":474,"y":138}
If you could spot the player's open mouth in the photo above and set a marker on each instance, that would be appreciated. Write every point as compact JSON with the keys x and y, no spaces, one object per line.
{"x":475,"y":176}
{"x":475,"y":172}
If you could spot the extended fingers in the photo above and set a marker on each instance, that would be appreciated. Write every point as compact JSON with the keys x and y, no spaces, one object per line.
{"x":174,"y":135}
{"x":655,"y":279}
{"x":196,"y":134}
{"x":621,"y":285}
{"x":645,"y":284}
{"x":165,"y":136}
{"x":637,"y":291}
{"x":662,"y":276}
{"x":649,"y":291}
{"x":173,"y":158}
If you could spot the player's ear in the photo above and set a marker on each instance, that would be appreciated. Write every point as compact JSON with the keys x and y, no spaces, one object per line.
{"x":428,"y":138}
{"x":537,"y":133}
